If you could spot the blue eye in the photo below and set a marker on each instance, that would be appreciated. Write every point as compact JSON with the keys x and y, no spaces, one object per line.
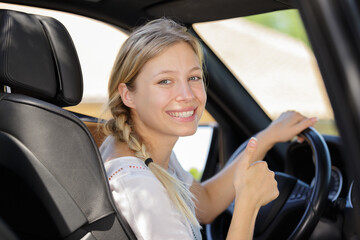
{"x":194,"y":78}
{"x":165,"y":82}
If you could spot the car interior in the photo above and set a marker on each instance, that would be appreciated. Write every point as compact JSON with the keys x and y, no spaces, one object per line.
{"x":53,"y":183}
{"x":40,"y":141}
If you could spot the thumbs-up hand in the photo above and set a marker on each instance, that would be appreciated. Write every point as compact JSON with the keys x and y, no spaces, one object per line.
{"x":253,"y":180}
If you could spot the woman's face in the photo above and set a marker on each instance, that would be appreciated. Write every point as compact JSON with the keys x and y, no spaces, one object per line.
{"x":169,"y":96}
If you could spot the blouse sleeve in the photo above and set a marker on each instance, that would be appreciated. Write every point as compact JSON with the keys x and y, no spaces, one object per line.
{"x":145,"y":204}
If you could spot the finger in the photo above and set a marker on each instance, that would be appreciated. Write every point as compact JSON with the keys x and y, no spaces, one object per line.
{"x":300,"y":139}
{"x":250,"y":150}
{"x":259,"y":162}
{"x":298,"y":117}
{"x":308,"y":122}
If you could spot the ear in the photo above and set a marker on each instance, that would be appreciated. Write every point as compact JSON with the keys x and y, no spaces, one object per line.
{"x":126,"y":95}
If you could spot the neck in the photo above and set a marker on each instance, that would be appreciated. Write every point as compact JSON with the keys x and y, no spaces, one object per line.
{"x":160,"y":148}
{"x":158,"y":144}
{"x":112,"y":149}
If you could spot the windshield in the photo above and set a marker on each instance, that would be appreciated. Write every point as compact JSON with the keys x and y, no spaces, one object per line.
{"x":270,"y":55}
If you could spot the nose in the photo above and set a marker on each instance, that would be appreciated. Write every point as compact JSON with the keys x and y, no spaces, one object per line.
{"x":185,"y":92}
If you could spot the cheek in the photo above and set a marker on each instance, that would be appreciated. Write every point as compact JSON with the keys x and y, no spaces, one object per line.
{"x":157,"y":99}
{"x":201,"y":97}
{"x":200,"y":94}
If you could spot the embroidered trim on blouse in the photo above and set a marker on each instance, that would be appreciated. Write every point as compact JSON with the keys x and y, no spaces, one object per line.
{"x":120,"y":169}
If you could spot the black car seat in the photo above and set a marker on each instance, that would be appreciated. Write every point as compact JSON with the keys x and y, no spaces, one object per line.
{"x":52,"y":180}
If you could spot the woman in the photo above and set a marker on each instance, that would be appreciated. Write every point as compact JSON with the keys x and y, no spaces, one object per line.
{"x":157,"y":94}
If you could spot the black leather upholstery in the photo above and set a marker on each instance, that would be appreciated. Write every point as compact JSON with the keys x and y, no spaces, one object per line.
{"x":52,"y":180}
{"x":42,"y":49}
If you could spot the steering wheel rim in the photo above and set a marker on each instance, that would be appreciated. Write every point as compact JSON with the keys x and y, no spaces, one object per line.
{"x":318,"y":197}
{"x":317,"y":200}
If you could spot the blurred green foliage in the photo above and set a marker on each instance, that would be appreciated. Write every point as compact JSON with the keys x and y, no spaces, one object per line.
{"x":327,"y":126}
{"x":195,"y":173}
{"x":285,"y":21}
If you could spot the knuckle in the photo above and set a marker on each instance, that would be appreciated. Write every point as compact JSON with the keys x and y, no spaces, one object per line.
{"x":263,"y":164}
{"x":276,"y":185}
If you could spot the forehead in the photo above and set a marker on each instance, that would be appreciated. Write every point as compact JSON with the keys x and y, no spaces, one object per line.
{"x":178,"y":56}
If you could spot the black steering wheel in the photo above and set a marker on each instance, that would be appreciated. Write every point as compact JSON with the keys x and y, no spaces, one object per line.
{"x":297,"y":200}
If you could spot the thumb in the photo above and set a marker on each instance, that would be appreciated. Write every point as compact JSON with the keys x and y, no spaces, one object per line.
{"x":250,"y":151}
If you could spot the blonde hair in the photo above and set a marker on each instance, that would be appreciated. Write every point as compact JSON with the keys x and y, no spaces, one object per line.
{"x":142,"y":45}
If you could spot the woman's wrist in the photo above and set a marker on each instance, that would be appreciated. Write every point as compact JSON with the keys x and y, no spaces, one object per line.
{"x":266,"y":138}
{"x":248,"y":200}
{"x":243,"y":220}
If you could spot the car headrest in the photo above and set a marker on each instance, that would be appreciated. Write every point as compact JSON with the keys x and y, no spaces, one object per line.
{"x":38,"y":58}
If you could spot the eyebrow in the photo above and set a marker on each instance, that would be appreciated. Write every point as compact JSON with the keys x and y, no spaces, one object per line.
{"x":171,"y":71}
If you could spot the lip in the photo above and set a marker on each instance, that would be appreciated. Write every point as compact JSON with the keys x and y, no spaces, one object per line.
{"x":184,"y":119}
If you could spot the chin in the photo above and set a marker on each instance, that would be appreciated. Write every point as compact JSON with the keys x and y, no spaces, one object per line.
{"x":188,"y":132}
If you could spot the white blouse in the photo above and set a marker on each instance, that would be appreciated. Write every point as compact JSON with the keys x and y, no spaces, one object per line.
{"x":144,"y":202}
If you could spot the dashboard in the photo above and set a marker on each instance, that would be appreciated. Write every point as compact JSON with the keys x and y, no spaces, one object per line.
{"x":336,"y":183}
{"x":300,"y":163}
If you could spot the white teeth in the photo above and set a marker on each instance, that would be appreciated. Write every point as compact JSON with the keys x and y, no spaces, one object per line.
{"x":182,"y":114}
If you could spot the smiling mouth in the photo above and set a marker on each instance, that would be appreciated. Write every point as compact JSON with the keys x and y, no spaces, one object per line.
{"x":182,"y":114}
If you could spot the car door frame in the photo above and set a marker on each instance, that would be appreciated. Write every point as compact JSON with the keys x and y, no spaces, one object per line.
{"x":333,"y":27}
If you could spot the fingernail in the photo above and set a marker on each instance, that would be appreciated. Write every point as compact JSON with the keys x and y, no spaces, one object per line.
{"x":314,"y":119}
{"x":252,"y":142}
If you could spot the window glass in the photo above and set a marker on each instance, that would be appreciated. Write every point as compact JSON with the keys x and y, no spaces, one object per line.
{"x":270,"y":56}
{"x":192,"y":151}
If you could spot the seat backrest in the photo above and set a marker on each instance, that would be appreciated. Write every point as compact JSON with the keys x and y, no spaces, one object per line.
{"x":52,"y":180}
